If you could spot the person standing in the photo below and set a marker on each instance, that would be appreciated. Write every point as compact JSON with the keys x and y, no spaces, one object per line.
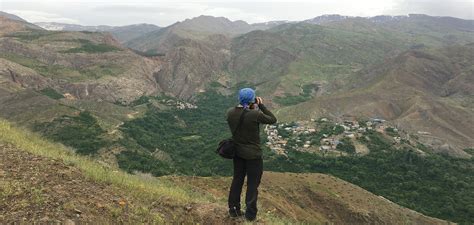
{"x":248,"y":158}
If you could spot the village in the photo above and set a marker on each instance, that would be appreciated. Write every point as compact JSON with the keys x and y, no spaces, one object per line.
{"x":323,"y":136}
{"x":178,"y":104}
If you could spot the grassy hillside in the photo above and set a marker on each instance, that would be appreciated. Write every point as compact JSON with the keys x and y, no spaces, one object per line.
{"x":334,"y":53}
{"x":68,"y":187}
{"x":139,"y":189}
{"x":294,"y":55}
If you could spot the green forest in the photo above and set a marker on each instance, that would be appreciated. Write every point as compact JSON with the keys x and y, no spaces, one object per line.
{"x":435,"y":185}
{"x":189,"y":137}
{"x":82,"y":132}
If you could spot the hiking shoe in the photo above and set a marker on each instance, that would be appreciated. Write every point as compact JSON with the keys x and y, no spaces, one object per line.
{"x":235,"y":213}
{"x":250,"y":217}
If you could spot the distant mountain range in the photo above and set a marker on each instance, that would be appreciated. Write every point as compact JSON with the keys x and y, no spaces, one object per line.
{"x":206,"y":24}
{"x":122,"y":33}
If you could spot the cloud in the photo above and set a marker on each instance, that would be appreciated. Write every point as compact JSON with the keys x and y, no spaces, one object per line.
{"x":235,"y":14}
{"x":38,"y":16}
{"x":454,"y":8}
{"x":166,"y":12}
{"x":178,"y":11}
{"x":127,"y":8}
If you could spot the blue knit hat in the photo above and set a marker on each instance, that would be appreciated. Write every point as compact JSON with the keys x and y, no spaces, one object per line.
{"x":246,"y":96}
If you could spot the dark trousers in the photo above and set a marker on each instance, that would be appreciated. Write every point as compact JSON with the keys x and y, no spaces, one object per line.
{"x":253,"y":169}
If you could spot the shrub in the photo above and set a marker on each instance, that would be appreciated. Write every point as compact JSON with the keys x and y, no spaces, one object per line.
{"x":51,"y":93}
{"x":81,"y":132}
{"x":346,"y":145}
{"x":89,"y":47}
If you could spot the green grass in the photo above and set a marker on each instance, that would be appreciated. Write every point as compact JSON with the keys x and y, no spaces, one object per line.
{"x":89,"y":47}
{"x":289,"y":99}
{"x":51,"y":93}
{"x":31,"y":35}
{"x":149,"y":53}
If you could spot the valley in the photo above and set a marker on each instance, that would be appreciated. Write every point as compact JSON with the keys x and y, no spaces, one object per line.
{"x":385,"y":103}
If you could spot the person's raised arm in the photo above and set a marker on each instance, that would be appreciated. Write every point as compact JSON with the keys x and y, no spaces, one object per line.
{"x":265,"y":117}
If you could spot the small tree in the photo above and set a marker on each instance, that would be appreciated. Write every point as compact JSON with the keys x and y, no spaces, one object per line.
{"x":346,"y":145}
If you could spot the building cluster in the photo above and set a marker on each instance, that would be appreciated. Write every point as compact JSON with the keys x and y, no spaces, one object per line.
{"x":351,"y":129}
{"x":178,"y":104}
{"x":277,"y":143}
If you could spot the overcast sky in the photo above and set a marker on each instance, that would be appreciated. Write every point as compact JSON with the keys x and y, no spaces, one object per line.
{"x":164,"y":13}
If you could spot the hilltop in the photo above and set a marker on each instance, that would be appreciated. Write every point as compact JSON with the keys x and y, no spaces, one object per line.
{"x":50,"y":184}
{"x":197,"y":28}
{"x":12,"y":17}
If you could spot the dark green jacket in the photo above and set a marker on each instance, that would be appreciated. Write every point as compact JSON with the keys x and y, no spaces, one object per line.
{"x":247,"y":137}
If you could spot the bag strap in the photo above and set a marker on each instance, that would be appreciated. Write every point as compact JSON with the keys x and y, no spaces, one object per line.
{"x":241,"y":120}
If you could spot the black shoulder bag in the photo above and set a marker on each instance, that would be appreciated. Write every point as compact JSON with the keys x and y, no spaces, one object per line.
{"x":227,"y":147}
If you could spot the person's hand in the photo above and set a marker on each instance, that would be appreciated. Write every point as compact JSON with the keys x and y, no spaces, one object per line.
{"x":259,"y":101}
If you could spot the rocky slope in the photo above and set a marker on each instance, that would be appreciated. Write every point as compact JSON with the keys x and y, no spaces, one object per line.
{"x":83,"y":65}
{"x":9,"y":25}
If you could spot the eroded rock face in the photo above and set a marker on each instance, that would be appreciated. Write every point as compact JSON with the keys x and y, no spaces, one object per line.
{"x":137,"y":81}
{"x":108,"y":72}
{"x":190,"y":66}
{"x":21,"y":76}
